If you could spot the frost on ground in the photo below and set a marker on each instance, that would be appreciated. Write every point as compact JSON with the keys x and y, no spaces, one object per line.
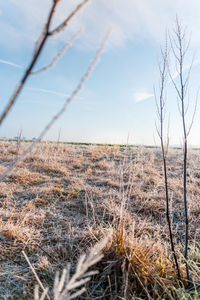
{"x":64,"y":198}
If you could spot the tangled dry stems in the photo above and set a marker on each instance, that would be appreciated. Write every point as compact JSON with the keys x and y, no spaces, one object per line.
{"x":71,"y":195}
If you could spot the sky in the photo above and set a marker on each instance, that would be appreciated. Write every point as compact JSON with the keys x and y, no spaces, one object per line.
{"x":116,"y":104}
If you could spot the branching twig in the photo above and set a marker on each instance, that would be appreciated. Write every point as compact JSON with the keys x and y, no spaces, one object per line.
{"x":180,"y":48}
{"x":46,"y":33}
{"x":164,"y":148}
{"x":61,"y":111}
{"x":62,"y":26}
{"x":58,"y":56}
{"x":181,"y":94}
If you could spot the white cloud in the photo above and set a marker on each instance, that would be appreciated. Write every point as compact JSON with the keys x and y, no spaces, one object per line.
{"x":130,"y":18}
{"x":142,"y":96}
{"x":10,"y":63}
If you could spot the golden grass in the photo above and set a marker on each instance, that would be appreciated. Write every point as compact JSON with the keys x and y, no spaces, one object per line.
{"x":63,"y":198}
{"x":24,"y":178}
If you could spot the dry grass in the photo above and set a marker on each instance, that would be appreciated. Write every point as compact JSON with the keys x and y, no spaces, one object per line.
{"x":63,"y":198}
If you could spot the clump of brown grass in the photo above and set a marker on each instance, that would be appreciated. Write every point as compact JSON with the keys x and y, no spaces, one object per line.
{"x":25,"y":178}
{"x":51,"y":168}
{"x":14,"y":231}
{"x":143,"y":267}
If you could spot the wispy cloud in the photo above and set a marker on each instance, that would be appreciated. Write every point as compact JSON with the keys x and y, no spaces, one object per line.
{"x":10,"y":63}
{"x":89,"y":105}
{"x":133,"y":19}
{"x":138,"y":97}
{"x":48,"y":92}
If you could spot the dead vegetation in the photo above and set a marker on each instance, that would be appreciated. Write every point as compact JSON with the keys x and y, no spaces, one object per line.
{"x":63,"y":198}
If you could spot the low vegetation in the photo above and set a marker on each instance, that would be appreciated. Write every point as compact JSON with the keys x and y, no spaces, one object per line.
{"x":64,"y":198}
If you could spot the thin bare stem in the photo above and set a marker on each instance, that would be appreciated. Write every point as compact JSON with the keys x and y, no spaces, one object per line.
{"x":37,"y":53}
{"x":62,"y":26}
{"x":180,"y":48}
{"x":59,"y":55}
{"x":36,"y":276}
{"x":194,"y":113}
{"x":46,"y":33}
{"x":164,"y":148}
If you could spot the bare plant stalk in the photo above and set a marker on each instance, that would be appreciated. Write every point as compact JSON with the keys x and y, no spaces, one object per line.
{"x":19,"y":139}
{"x":55,"y":59}
{"x":179,"y":46}
{"x":46,"y":33}
{"x":61,"y":111}
{"x":160,"y":103}
{"x":36,"y":276}
{"x":58,"y":140}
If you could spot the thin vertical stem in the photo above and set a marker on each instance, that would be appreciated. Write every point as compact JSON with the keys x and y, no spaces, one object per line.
{"x":179,"y":51}
{"x":160,"y":108}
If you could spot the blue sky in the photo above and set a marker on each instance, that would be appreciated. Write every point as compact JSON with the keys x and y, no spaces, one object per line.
{"x":117,"y":99}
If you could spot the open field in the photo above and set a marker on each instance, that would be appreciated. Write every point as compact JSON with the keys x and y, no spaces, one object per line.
{"x":64,"y":198}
